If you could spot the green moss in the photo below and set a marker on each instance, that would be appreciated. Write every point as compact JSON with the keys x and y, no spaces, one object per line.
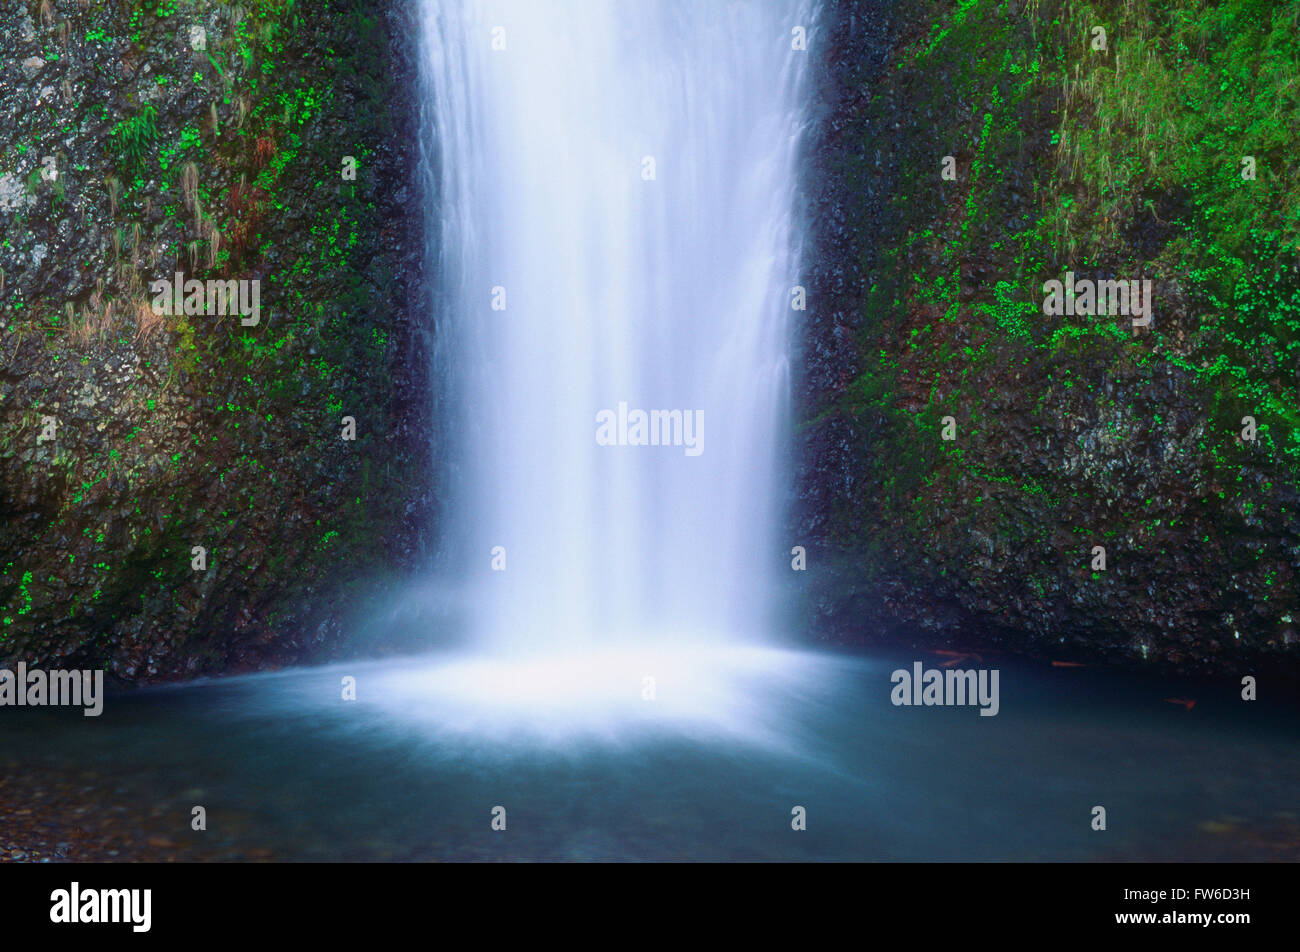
{"x":133,"y":138}
{"x":1124,"y":163}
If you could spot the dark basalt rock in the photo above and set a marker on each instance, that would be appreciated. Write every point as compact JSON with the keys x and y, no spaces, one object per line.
{"x":201,"y":431}
{"x":1063,"y":446}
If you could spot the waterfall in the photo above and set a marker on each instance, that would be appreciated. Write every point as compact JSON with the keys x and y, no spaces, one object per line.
{"x":613,"y":231}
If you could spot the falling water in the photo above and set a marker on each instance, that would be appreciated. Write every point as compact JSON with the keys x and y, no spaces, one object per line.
{"x":612,"y":213}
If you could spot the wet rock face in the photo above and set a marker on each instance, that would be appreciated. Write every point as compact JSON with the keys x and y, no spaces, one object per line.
{"x":212,"y":140}
{"x":1070,"y":433}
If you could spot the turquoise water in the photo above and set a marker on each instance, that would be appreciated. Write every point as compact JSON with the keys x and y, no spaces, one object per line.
{"x":588,"y":769}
